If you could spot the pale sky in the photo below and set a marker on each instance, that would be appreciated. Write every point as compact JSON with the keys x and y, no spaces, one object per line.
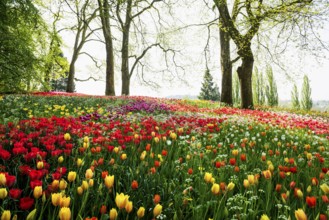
{"x":193,"y":42}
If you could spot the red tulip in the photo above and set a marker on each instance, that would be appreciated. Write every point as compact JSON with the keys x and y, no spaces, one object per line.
{"x":311,"y":201}
{"x":26,"y":203}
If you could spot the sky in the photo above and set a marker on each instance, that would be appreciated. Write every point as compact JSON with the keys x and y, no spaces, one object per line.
{"x":192,"y":42}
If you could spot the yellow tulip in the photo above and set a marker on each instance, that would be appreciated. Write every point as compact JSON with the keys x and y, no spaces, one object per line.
{"x":37,"y":192}
{"x":141,"y":212}
{"x":264,"y":217}
{"x":85,"y":185}
{"x":79,"y":162}
{"x":129,"y":206}
{"x":208,"y":177}
{"x":157,"y":210}
{"x":325,"y":188}
{"x":267,"y":174}
{"x":246,"y":183}
{"x":40,"y":165}
{"x":121,"y":200}
{"x":91,"y":182}
{"x":3,"y":179}
{"x":300,"y":214}
{"x":251,"y":179}
{"x":67,"y":136}
{"x":3,"y":193}
{"x":65,"y":201}
{"x":80,"y":190}
{"x":64,"y":213}
{"x":215,"y":189}
{"x":6,"y":215}
{"x":56,"y":199}
{"x":62,"y":184}
{"x":230,"y":186}
{"x":71,"y":176}
{"x":109,"y":181}
{"x":89,"y":174}
{"x":113,"y":214}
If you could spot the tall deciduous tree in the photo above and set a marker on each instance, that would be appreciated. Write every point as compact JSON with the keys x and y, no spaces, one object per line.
{"x":84,"y":13}
{"x":20,"y":63}
{"x":306,"y":100}
{"x":242,"y":32}
{"x":295,"y":98}
{"x":104,"y":12}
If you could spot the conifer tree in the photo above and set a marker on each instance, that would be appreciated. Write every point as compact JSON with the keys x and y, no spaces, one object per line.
{"x":209,"y":90}
{"x":271,"y":88}
{"x":306,"y":100}
{"x":236,"y":89}
{"x":295,"y":98}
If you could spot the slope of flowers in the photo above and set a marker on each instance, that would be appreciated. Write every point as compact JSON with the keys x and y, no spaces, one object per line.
{"x":148,"y":158}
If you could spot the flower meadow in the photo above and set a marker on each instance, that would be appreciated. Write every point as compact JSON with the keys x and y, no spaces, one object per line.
{"x":86,"y":157}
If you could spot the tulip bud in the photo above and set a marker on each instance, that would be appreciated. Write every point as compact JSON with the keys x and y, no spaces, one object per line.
{"x":157,"y":210}
{"x":113,"y":214}
{"x":141,"y":212}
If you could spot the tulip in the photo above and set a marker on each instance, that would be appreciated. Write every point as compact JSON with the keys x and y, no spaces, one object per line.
{"x":300,"y":214}
{"x":56,"y":199}
{"x":79,"y":162}
{"x":3,"y":179}
{"x":80,"y":190}
{"x":37,"y":192}
{"x":113,"y":214}
{"x":157,"y":210}
{"x":89,"y":174}
{"x":109,"y":181}
{"x":129,"y":206}
{"x":71,"y":176}
{"x":267,"y":174}
{"x":264,"y":217}
{"x":6,"y":215}
{"x":67,"y":136}
{"x":31,"y":215}
{"x":311,"y":201}
{"x":84,"y":185}
{"x":64,"y":213}
{"x":65,"y":201}
{"x":3,"y":193}
{"x":246,"y":183}
{"x":207,"y":177}
{"x":121,"y":200}
{"x":134,"y":185}
{"x":141,"y":212}
{"x":325,"y":188}
{"x":40,"y":165}
{"x":230,"y":186}
{"x":62,"y":184}
{"x":215,"y":189}
{"x":251,"y":179}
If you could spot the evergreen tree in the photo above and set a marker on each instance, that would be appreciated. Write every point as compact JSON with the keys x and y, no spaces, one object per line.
{"x":257,"y":84}
{"x":294,"y":98}
{"x":306,"y":101}
{"x":236,"y":89}
{"x":271,"y":88}
{"x":209,"y":90}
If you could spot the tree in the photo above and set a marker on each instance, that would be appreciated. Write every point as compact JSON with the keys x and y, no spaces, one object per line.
{"x":306,"y":100}
{"x":209,"y":90}
{"x":272,"y":97}
{"x":84,"y":14}
{"x":20,"y":61}
{"x":257,"y":87}
{"x":252,"y":15}
{"x":132,"y":11}
{"x":236,"y":89}
{"x":294,"y":98}
{"x":104,"y":13}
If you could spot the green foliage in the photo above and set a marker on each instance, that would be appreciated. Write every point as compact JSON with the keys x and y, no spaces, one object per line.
{"x":236,"y":89}
{"x":20,"y":26}
{"x":271,"y":88}
{"x":294,"y":98}
{"x":306,"y":100}
{"x":209,"y":90}
{"x":257,"y":84}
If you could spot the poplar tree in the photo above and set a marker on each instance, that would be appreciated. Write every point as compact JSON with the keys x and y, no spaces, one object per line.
{"x":271,"y":88}
{"x":257,"y":83}
{"x":236,"y":89}
{"x":306,"y":100}
{"x":209,"y":90}
{"x":295,"y":98}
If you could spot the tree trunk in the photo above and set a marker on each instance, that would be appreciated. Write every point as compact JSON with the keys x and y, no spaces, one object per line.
{"x":226,"y":67}
{"x":70,"y":83}
{"x":125,"y":76}
{"x":109,"y":86}
{"x":245,"y":77}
